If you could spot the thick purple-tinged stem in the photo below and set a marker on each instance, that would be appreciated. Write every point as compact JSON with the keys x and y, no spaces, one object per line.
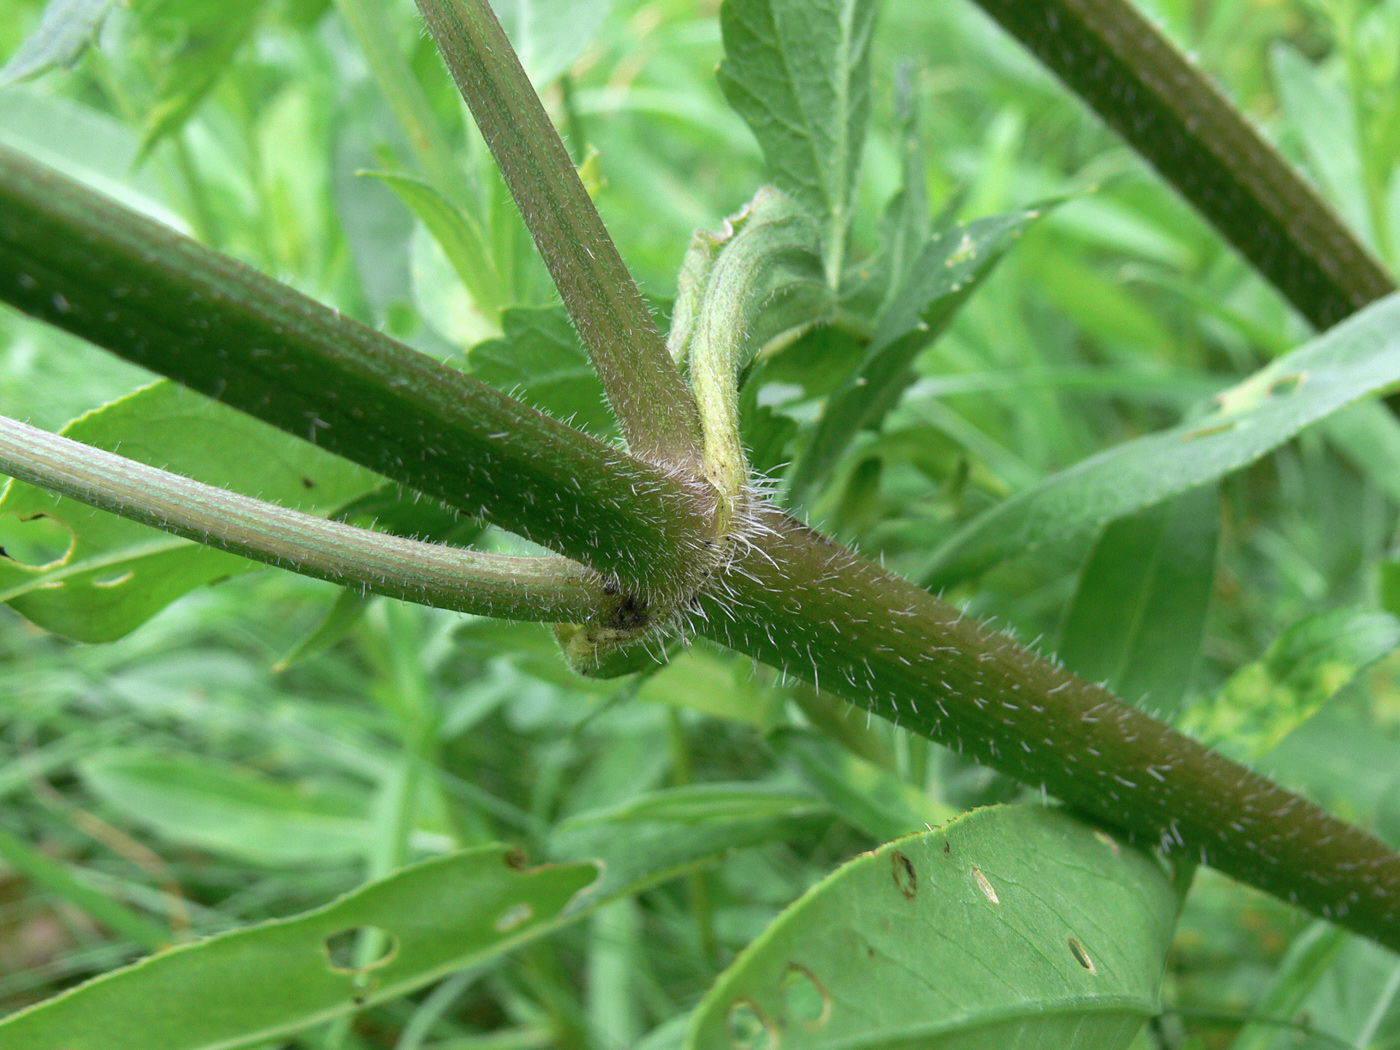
{"x":805,"y":603}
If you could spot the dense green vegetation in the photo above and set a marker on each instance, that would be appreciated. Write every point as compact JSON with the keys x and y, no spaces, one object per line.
{"x":970,"y":334}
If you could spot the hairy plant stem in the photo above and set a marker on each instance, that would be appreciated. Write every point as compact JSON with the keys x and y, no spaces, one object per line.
{"x":650,"y":399}
{"x":807,"y":604}
{"x":788,"y":596}
{"x":86,"y":264}
{"x":1170,"y":112}
{"x":533,"y":588}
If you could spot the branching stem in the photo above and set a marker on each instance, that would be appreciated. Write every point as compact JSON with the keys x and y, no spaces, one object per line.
{"x":86,"y":264}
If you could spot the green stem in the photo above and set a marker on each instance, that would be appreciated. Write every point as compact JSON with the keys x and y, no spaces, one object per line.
{"x":1172,"y":114}
{"x":369,"y":21}
{"x":80,"y":261}
{"x":791,"y":597}
{"x":803,"y":602}
{"x":652,"y":403}
{"x":522,"y":588}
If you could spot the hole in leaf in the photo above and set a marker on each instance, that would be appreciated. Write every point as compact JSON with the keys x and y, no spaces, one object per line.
{"x":749,"y":1027}
{"x":36,"y":542}
{"x":112,"y":579}
{"x":513,"y":917}
{"x":805,"y":999}
{"x":1207,"y":431}
{"x":358,"y":949}
{"x":1081,"y":956}
{"x":906,"y":879}
{"x":1287,"y":384}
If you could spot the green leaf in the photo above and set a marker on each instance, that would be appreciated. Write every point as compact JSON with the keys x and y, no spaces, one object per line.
{"x":549,"y":35}
{"x":1356,"y":1000}
{"x":1305,"y":666}
{"x":1012,"y":926}
{"x":110,"y":575}
{"x":458,"y":234}
{"x":344,"y":612}
{"x":1322,"y":117}
{"x":1309,"y":957}
{"x":64,"y":32}
{"x":260,"y":982}
{"x":1369,"y":435}
{"x":1139,"y":614}
{"x":56,"y":877}
{"x":948,"y":269}
{"x":196,"y":41}
{"x":877,"y":802}
{"x":1361,"y":356}
{"x":869,"y":286}
{"x":716,"y":684}
{"x":229,"y":810}
{"x":660,"y":834}
{"x":798,"y":71}
{"x":539,"y":358}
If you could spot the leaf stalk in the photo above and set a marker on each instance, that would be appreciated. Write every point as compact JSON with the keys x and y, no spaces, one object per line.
{"x":519,"y":588}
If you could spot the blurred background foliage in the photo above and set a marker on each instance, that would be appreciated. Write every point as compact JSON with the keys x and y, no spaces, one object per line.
{"x":244,"y":753}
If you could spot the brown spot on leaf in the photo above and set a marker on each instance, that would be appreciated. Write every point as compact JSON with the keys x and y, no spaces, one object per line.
{"x":906,"y":879}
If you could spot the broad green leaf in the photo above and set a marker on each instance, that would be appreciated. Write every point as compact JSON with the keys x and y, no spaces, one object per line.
{"x":261,"y":982}
{"x":1321,"y":115}
{"x":114,"y":574}
{"x":948,"y":269}
{"x":798,"y":72}
{"x":1139,"y":614}
{"x":1305,"y":666}
{"x":230,"y":811}
{"x":877,"y":802}
{"x":539,"y":359}
{"x":441,"y":915}
{"x":651,"y":838}
{"x":1359,"y":357}
{"x":1012,"y":926}
{"x":64,"y":32}
{"x":549,"y":35}
{"x":458,"y":234}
